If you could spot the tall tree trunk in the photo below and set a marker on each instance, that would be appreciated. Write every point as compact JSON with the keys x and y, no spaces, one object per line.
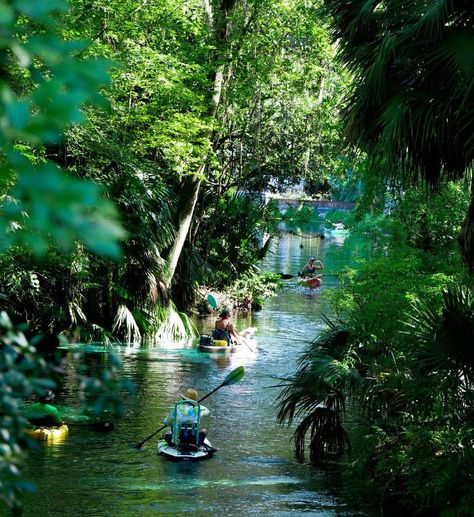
{"x":219,"y":24}
{"x":188,"y":199}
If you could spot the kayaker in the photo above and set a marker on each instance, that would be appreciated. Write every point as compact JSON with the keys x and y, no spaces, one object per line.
{"x":224,"y":329}
{"x":339,"y":225}
{"x":311,"y":266}
{"x":43,"y":413}
{"x":186,"y":414}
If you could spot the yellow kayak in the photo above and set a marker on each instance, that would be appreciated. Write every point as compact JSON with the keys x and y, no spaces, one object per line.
{"x":48,"y":434}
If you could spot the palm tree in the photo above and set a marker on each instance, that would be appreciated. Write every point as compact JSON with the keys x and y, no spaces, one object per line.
{"x":316,"y":395}
{"x":412,"y":101}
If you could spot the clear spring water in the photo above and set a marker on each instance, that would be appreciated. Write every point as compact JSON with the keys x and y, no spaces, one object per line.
{"x":254,"y":472}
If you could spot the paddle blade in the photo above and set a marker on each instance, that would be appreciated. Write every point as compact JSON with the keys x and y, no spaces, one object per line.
{"x":212,"y":301}
{"x":234,"y":376}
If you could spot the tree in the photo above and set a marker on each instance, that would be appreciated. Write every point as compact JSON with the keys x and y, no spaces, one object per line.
{"x":412,"y":100}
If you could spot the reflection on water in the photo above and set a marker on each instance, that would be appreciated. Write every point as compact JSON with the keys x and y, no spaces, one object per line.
{"x":254,"y":471}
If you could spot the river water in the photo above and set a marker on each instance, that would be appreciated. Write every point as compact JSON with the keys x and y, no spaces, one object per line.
{"x":253,"y":472}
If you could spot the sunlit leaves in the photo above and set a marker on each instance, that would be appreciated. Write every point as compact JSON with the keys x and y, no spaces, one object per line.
{"x":47,"y":204}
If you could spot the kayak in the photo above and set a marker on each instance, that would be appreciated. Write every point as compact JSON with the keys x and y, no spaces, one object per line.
{"x":220,"y":346}
{"x":174,"y":453}
{"x":310,"y":283}
{"x":48,"y":434}
{"x":336,"y":232}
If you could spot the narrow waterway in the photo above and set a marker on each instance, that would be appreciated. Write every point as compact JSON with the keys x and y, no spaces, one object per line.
{"x":254,"y":472}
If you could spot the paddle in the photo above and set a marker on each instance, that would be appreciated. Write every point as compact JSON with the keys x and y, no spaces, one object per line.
{"x":213,"y":303}
{"x":286,"y":276}
{"x":100,"y":427}
{"x":233,"y":377}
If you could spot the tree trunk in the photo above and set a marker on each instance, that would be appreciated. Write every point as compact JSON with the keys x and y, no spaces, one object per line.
{"x":188,"y":199}
{"x":466,"y":236}
{"x":219,"y":24}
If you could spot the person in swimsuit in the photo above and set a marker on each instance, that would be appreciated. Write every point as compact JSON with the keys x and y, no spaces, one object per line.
{"x":224,"y":329}
{"x":312,"y":266}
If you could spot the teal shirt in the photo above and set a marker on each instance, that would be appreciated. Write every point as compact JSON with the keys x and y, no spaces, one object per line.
{"x":41,"y":414}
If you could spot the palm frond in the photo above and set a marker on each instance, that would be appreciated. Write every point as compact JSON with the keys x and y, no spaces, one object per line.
{"x":445,"y":338}
{"x":317,"y":393}
{"x":413,"y":93}
{"x":174,"y":325}
{"x":76,"y":313}
{"x":327,"y":436}
{"x":125,"y":324}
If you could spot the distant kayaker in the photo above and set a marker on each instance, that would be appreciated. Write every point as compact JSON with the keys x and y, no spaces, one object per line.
{"x":339,"y":225}
{"x":186,"y":414}
{"x":43,"y":413}
{"x":224,"y":329}
{"x":311,"y":266}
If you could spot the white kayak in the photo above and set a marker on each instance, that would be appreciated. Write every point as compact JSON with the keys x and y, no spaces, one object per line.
{"x":186,"y":454}
{"x":217,"y":349}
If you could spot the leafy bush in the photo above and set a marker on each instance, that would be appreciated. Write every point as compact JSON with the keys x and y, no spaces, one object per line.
{"x":251,"y":289}
{"x":431,"y":221}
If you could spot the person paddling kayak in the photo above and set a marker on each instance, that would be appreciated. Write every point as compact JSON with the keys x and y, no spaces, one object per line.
{"x":43,"y":413}
{"x":187,"y":413}
{"x":224,"y":329}
{"x":312,"y":266}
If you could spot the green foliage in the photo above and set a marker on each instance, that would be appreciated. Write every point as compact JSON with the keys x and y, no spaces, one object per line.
{"x":173,"y":325}
{"x":432,"y":220}
{"x":300,"y":214}
{"x":22,"y":374}
{"x":406,"y":317}
{"x":251,"y":289}
{"x":232,"y":237}
{"x":384,"y":287}
{"x":410,"y":104}
{"x":43,"y":89}
{"x":59,"y":85}
{"x":424,"y":124}
{"x":315,"y":395}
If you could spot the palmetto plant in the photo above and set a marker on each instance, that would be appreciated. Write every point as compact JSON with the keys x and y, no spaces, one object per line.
{"x":316,"y":395}
{"x":444,"y":339}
